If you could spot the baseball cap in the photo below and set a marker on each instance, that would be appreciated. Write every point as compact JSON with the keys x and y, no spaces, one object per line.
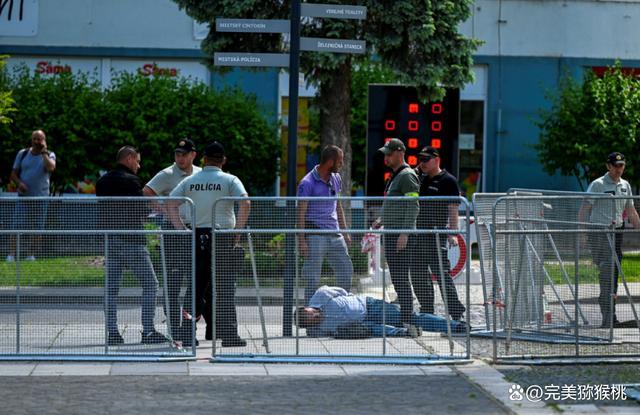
{"x":429,"y":151}
{"x":616,"y":158}
{"x":185,"y":146}
{"x":213,"y":149}
{"x":392,"y":145}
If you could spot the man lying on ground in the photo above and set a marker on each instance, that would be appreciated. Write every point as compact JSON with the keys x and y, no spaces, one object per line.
{"x":332,"y":311}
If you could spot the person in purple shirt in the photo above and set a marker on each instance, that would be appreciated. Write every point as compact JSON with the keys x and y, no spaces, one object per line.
{"x":333,"y":308}
{"x":323,"y":181}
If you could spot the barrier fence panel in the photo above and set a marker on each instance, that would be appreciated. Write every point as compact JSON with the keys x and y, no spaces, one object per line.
{"x":94,"y":278}
{"x":351,"y":297}
{"x":491,"y":267}
{"x":568,"y":292}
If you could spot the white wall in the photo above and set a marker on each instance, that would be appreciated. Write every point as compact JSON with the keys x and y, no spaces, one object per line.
{"x":103,"y":23}
{"x":552,"y":28}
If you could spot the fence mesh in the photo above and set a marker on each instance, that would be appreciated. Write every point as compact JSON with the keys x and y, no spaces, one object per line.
{"x":568,"y":292}
{"x":284,"y":261}
{"x":93,"y":278}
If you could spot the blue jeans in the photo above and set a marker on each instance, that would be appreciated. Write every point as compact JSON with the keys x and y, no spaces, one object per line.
{"x":427,"y":322}
{"x":334,"y":248}
{"x":122,"y":254}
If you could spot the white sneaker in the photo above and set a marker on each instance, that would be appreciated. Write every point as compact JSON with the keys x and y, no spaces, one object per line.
{"x":30,"y":258}
{"x":11,"y":258}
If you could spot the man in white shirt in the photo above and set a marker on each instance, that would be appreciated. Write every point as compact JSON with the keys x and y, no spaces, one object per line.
{"x":205,"y":188}
{"x":176,"y":246}
{"x":609,"y":213}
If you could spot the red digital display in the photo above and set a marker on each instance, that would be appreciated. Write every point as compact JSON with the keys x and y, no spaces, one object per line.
{"x":396,"y":111}
{"x":390,"y":125}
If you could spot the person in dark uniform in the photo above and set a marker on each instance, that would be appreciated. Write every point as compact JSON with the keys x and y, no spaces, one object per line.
{"x":435,"y":215}
{"x":126,"y":250}
{"x":399,"y":215}
{"x":205,"y":188}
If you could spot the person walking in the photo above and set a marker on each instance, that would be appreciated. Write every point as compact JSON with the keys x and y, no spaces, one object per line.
{"x":609,"y":214}
{"x":205,"y":188}
{"x":31,"y":172}
{"x":324,"y":180}
{"x":177,"y":246}
{"x":125,"y":250}
{"x":399,"y":214}
{"x":435,"y":182}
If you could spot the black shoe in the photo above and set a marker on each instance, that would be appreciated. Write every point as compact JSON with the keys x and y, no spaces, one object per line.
{"x":186,"y":342}
{"x":154,"y":338}
{"x":235,"y":341}
{"x":115,"y":339}
{"x":629,"y":324}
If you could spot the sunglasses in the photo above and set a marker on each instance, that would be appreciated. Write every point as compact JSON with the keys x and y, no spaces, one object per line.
{"x":424,"y":159}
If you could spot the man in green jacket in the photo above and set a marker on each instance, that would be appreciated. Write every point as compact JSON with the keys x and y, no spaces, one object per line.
{"x":401,"y":215}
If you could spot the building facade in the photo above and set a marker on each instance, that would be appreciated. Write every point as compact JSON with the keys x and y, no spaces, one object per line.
{"x":528,"y":46}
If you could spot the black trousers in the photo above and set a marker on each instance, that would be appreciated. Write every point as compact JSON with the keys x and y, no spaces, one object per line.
{"x":177,"y":249}
{"x":399,"y":269}
{"x":226,"y":319}
{"x":424,"y":264}
{"x":604,"y":259}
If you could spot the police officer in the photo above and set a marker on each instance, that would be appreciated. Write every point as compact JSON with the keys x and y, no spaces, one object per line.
{"x":609,"y":213}
{"x":435,"y":215}
{"x":205,"y":188}
{"x":176,"y":245}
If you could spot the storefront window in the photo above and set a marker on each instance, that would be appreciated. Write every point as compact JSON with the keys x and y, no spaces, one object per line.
{"x":471,"y":146}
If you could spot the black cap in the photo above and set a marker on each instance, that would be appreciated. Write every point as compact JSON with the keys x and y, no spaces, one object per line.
{"x":392,"y":145}
{"x":429,"y":151}
{"x":185,"y":146}
{"x":616,"y":158}
{"x":214,"y":149}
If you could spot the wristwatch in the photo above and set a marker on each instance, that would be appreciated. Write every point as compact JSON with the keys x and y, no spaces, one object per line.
{"x":45,"y":152}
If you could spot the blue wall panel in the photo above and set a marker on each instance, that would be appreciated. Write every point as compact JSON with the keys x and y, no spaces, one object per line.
{"x":517,"y":91}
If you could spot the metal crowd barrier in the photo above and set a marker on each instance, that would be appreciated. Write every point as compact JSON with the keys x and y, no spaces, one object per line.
{"x":556,"y":266}
{"x":271,"y":274}
{"x":56,"y":302}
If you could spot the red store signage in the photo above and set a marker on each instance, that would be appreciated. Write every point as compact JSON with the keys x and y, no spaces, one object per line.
{"x":44,"y":67}
{"x":151,"y":69}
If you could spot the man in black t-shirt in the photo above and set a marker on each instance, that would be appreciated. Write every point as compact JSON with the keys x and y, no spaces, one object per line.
{"x":435,"y":215}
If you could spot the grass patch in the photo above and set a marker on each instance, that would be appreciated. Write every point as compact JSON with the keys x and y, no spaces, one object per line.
{"x":589,"y":272}
{"x":84,"y":271}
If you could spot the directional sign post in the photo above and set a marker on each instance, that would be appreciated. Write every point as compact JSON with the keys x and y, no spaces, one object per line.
{"x":292,"y":60}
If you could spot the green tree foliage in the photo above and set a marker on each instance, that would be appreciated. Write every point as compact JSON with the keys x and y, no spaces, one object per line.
{"x":588,"y":121}
{"x":364,"y":73}
{"x":417,"y":40}
{"x":6,"y":101}
{"x":86,"y":125}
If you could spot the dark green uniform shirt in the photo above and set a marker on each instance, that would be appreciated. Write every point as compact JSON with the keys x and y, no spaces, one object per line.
{"x":401,"y":214}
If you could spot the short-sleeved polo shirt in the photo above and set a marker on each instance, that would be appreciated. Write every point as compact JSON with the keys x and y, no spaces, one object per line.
{"x":166,"y":180}
{"x":321,"y":214}
{"x":205,"y":188}
{"x":607,"y":212}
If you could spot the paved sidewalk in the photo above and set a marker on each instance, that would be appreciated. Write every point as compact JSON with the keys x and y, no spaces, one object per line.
{"x":66,"y":387}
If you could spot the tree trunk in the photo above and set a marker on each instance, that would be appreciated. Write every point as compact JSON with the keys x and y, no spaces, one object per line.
{"x":335,"y":118}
